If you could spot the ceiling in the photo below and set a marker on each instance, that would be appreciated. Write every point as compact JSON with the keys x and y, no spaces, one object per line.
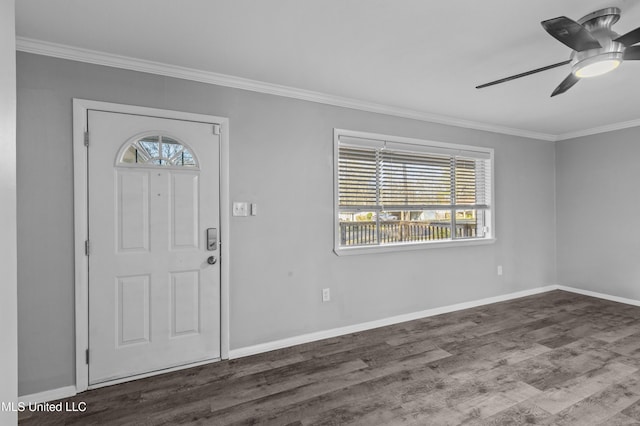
{"x":425,"y":57}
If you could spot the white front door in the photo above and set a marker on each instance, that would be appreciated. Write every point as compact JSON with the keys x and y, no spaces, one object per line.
{"x":154,"y":289}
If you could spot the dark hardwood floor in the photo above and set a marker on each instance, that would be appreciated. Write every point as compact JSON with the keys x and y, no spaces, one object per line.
{"x":551,"y":359}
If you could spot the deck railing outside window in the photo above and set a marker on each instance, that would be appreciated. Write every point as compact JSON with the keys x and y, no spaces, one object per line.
{"x":365,"y":233}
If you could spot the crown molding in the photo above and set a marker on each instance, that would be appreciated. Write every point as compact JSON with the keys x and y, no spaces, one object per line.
{"x":600,"y":129}
{"x":62,"y":51}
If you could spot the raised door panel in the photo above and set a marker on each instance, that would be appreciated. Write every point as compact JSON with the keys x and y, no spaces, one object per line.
{"x":132,"y":208}
{"x":184,"y":223}
{"x":132,"y":321}
{"x":185,"y":303}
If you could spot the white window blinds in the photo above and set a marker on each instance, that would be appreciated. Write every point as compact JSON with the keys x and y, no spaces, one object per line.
{"x":358,"y":177}
{"x":392,"y":178}
{"x":413,"y":180}
{"x":391,"y":192}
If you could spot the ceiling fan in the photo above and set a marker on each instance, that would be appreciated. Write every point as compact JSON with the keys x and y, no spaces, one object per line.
{"x":597,"y":49}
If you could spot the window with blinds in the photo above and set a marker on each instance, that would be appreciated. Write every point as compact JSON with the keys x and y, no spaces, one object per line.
{"x":405,"y":192}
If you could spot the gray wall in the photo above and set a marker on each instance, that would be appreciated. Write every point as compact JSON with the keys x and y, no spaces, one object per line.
{"x":8,"y":297}
{"x":281,"y":155}
{"x":598,"y":202}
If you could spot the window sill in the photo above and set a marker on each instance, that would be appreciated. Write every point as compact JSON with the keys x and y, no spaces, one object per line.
{"x":347,"y":251}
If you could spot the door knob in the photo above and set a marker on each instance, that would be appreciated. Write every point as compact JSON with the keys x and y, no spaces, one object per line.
{"x":212,"y":260}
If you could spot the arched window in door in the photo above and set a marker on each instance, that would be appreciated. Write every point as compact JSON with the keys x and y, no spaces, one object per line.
{"x":156,"y":150}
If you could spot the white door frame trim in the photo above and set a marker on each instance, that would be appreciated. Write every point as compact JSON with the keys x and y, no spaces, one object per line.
{"x":81,"y":213}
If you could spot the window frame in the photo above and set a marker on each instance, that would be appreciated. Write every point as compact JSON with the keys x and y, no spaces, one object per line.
{"x":490,"y":236}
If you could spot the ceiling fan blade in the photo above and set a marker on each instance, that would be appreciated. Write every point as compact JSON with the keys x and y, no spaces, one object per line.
{"x":524,"y":74}
{"x":630,"y":38}
{"x":566,"y":84}
{"x":632,"y":53}
{"x":570,"y":33}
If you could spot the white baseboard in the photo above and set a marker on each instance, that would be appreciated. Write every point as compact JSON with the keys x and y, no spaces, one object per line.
{"x":599,"y":295}
{"x":340,"y":331}
{"x":50,"y":395}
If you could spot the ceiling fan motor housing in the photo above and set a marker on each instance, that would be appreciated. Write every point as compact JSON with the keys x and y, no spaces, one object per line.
{"x":599,"y":25}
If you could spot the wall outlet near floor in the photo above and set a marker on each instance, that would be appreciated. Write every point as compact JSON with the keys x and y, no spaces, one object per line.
{"x":499,"y":269}
{"x":326,"y":294}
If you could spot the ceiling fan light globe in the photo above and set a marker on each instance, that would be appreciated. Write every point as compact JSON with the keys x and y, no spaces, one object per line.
{"x":597,"y":68}
{"x":596,"y":65}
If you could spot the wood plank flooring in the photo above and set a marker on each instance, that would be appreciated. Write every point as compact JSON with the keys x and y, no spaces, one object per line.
{"x":555,"y":358}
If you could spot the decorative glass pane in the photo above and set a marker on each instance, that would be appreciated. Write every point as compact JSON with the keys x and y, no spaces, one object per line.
{"x":130,"y":155}
{"x":170,"y":147}
{"x":187,"y":159}
{"x":151,"y":145}
{"x":158,"y":151}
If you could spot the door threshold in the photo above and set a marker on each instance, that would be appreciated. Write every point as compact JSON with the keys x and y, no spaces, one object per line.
{"x":151,"y":374}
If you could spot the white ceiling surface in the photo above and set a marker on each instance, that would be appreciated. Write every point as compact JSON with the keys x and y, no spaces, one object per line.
{"x":424,"y":56}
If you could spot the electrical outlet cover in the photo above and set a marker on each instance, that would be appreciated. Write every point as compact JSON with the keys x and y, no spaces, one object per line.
{"x":326,"y":294}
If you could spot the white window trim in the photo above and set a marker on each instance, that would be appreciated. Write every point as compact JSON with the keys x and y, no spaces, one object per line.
{"x":341,"y":251}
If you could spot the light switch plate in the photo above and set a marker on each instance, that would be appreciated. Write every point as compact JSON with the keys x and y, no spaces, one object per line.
{"x":240,"y":208}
